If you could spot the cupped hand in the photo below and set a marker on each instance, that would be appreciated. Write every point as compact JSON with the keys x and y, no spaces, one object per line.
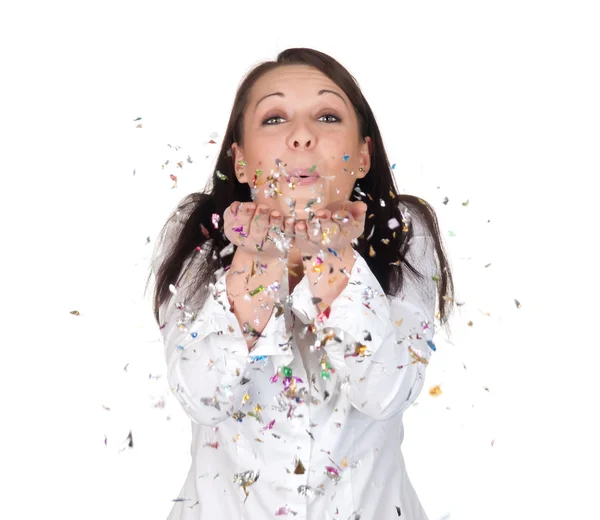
{"x":334,"y":227}
{"x":258,"y":230}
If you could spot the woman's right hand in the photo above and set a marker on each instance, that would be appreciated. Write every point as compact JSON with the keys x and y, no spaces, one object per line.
{"x":258,"y":230}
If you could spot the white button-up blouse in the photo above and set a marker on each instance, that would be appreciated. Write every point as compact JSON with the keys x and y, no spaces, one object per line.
{"x":290,"y":430}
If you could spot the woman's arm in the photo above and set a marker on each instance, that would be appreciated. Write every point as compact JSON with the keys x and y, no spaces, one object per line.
{"x":252,"y":289}
{"x":379,"y":346}
{"x":206,"y":348}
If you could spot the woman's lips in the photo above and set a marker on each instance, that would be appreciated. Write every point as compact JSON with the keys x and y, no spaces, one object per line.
{"x":303,"y":176}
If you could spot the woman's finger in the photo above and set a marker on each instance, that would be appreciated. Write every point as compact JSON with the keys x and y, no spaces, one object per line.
{"x":289,"y":228}
{"x":241,"y":221}
{"x":300,"y":230}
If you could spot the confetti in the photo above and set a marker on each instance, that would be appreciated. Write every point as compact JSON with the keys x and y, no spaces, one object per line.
{"x":346,"y":157}
{"x":220,"y":175}
{"x":284,"y":511}
{"x":215,"y":220}
{"x":254,"y":292}
{"x":299,"y":469}
{"x":393,"y":223}
{"x":435,"y":391}
{"x":246,"y":479}
{"x":332,"y":473}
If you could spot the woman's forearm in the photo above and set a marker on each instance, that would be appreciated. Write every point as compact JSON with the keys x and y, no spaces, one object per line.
{"x":253,"y":288}
{"x":328,"y":279}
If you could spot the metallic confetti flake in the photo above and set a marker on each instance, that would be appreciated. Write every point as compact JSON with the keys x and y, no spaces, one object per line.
{"x":311,"y":202}
{"x":227,"y":250}
{"x":238,"y":416}
{"x":299,"y":469}
{"x":393,"y":223}
{"x":220,"y":175}
{"x":284,"y":511}
{"x":435,"y":390}
{"x":246,"y":479}
{"x":270,"y":425}
{"x":305,"y":490}
{"x":240,"y":231}
{"x":242,"y":163}
{"x":214,"y":445}
{"x":371,"y":251}
{"x":211,"y":401}
{"x":431,"y":345}
{"x":332,"y":473}
{"x":346,"y":157}
{"x":215,"y":220}
{"x":254,"y":292}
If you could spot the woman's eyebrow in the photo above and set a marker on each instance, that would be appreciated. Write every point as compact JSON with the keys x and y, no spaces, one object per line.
{"x":281,"y":94}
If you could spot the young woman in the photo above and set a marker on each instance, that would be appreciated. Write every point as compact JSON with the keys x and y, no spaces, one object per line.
{"x":296,"y":297}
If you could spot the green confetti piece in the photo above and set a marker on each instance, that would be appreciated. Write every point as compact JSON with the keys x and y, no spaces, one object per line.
{"x":257,"y":290}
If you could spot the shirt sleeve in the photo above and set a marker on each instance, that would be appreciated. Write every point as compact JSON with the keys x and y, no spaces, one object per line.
{"x":206,"y":355}
{"x":379,"y":345}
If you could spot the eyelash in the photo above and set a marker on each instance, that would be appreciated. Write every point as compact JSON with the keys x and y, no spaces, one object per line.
{"x":338,"y":119}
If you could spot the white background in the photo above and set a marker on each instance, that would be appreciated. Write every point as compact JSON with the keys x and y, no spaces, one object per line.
{"x":494,"y":103}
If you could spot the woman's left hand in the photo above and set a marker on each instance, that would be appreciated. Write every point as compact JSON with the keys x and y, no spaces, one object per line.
{"x":333,"y":227}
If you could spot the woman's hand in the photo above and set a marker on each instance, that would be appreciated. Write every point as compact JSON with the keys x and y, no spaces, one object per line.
{"x":257,"y":230}
{"x":334,"y":227}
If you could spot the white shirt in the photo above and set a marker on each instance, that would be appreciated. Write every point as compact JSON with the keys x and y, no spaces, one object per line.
{"x":308,"y":447}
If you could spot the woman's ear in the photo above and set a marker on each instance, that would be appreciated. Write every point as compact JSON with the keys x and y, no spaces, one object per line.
{"x":239,"y":164}
{"x":365,"y":158}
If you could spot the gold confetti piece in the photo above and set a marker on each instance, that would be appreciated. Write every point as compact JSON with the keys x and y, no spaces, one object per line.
{"x":236,"y":437}
{"x":344,"y":462}
{"x":435,"y":391}
{"x":245,"y":398}
{"x":392,"y":194}
{"x":371,"y":251}
{"x":75,"y":313}
{"x":299,"y":470}
{"x":259,"y":440}
{"x":466,"y":203}
{"x":470,"y":323}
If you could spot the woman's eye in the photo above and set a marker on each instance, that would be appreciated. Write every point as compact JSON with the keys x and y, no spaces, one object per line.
{"x":266,"y":121}
{"x":337,"y":119}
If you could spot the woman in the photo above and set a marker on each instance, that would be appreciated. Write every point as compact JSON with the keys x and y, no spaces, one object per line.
{"x":296,"y":299}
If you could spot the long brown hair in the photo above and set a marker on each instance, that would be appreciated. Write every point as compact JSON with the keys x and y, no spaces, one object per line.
{"x":190,"y":228}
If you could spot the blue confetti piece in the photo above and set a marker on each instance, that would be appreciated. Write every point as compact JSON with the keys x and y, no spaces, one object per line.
{"x":333,"y":251}
{"x":180,"y":347}
{"x":194,"y":334}
{"x":431,"y":345}
{"x":346,"y":157}
{"x":394,"y":166}
{"x":257,"y":358}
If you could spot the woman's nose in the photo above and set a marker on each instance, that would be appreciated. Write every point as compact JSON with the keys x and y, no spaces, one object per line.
{"x":297,"y":144}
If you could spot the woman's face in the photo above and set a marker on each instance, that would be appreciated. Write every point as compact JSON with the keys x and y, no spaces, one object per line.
{"x":297,"y":118}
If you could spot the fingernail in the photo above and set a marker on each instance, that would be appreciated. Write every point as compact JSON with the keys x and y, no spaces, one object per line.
{"x":276,"y":214}
{"x":250,"y":207}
